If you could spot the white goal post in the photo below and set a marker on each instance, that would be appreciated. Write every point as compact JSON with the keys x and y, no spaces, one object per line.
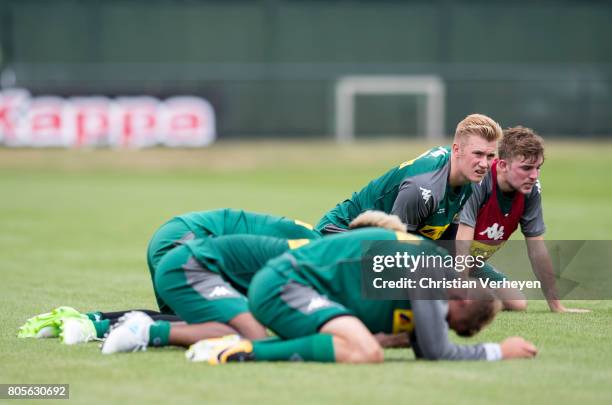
{"x":430,"y":117}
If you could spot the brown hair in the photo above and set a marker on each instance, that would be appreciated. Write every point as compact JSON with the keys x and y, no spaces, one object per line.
{"x":480,"y":125}
{"x":479,"y":312}
{"x":521,"y":141}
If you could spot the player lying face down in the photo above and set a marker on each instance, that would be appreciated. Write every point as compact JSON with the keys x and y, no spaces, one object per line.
{"x":213,"y":223}
{"x":83,"y":327}
{"x":508,"y":196}
{"x":311,"y":298}
{"x":426,"y":192}
{"x":204,"y":282}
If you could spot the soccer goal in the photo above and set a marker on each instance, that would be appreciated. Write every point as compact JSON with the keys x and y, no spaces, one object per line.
{"x":430,"y":114}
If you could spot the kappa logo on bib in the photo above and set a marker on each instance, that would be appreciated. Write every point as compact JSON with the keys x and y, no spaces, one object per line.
{"x":494,"y":232}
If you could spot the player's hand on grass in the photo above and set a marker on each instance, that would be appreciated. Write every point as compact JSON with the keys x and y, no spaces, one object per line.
{"x":395,"y":340}
{"x":517,"y":348}
{"x":577,"y":310}
{"x":560,"y":308}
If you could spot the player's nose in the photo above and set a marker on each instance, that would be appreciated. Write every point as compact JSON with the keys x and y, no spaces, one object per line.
{"x":533,"y":174}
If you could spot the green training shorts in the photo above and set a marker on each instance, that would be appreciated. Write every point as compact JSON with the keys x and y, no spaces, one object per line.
{"x":167,"y":237}
{"x":289,"y":308}
{"x":195,"y":293}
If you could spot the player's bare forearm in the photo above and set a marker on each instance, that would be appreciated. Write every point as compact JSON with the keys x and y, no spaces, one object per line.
{"x":393,"y":340}
{"x":541,"y":264}
{"x":463,"y":242}
{"x":464,"y":238}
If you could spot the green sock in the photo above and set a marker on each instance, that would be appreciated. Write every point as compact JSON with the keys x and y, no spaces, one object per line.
{"x":94,"y":316}
{"x":101,"y":327}
{"x":319,"y":347}
{"x":159,"y":333}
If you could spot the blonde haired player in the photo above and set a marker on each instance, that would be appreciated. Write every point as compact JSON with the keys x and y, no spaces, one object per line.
{"x":426,"y":193}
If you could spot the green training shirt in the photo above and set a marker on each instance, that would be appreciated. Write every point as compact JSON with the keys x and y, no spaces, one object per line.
{"x":230,"y":221}
{"x":417,"y":191}
{"x":238,"y":257}
{"x":333,"y":267}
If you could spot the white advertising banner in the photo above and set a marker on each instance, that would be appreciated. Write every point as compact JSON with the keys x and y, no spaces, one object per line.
{"x":132,"y":122}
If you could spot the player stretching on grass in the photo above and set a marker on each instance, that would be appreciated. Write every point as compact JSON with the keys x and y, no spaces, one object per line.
{"x":508,"y":196}
{"x":311,"y":298}
{"x":205,"y":282}
{"x":426,"y":192}
{"x":195,"y":225}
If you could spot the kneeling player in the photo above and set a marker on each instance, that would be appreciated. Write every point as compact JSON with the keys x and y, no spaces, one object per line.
{"x":205,"y":282}
{"x":426,"y":192}
{"x":73,"y":327}
{"x":311,"y":298}
{"x":510,"y":195}
{"x":203,"y":224}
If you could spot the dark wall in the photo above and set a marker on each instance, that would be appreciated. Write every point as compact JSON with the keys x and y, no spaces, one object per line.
{"x":268,"y":67}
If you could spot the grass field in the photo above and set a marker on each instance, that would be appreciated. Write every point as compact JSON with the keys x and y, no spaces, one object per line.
{"x":74,"y":226}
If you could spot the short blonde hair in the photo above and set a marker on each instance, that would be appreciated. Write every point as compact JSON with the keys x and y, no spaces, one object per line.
{"x":378,"y":219}
{"x":480,"y":125}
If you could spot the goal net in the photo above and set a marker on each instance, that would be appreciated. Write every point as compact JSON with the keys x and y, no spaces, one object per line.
{"x":430,"y":114}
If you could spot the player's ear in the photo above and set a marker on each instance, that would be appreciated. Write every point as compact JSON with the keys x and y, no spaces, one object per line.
{"x":455,"y":148}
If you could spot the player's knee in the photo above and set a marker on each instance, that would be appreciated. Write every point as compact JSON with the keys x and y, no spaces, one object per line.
{"x":165,"y":287}
{"x":159,"y":283}
{"x":374,"y":354}
{"x":353,"y":342}
{"x":248,"y":326}
{"x":370,"y":353}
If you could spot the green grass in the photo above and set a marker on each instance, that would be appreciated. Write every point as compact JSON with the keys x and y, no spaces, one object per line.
{"x":74,"y":226}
